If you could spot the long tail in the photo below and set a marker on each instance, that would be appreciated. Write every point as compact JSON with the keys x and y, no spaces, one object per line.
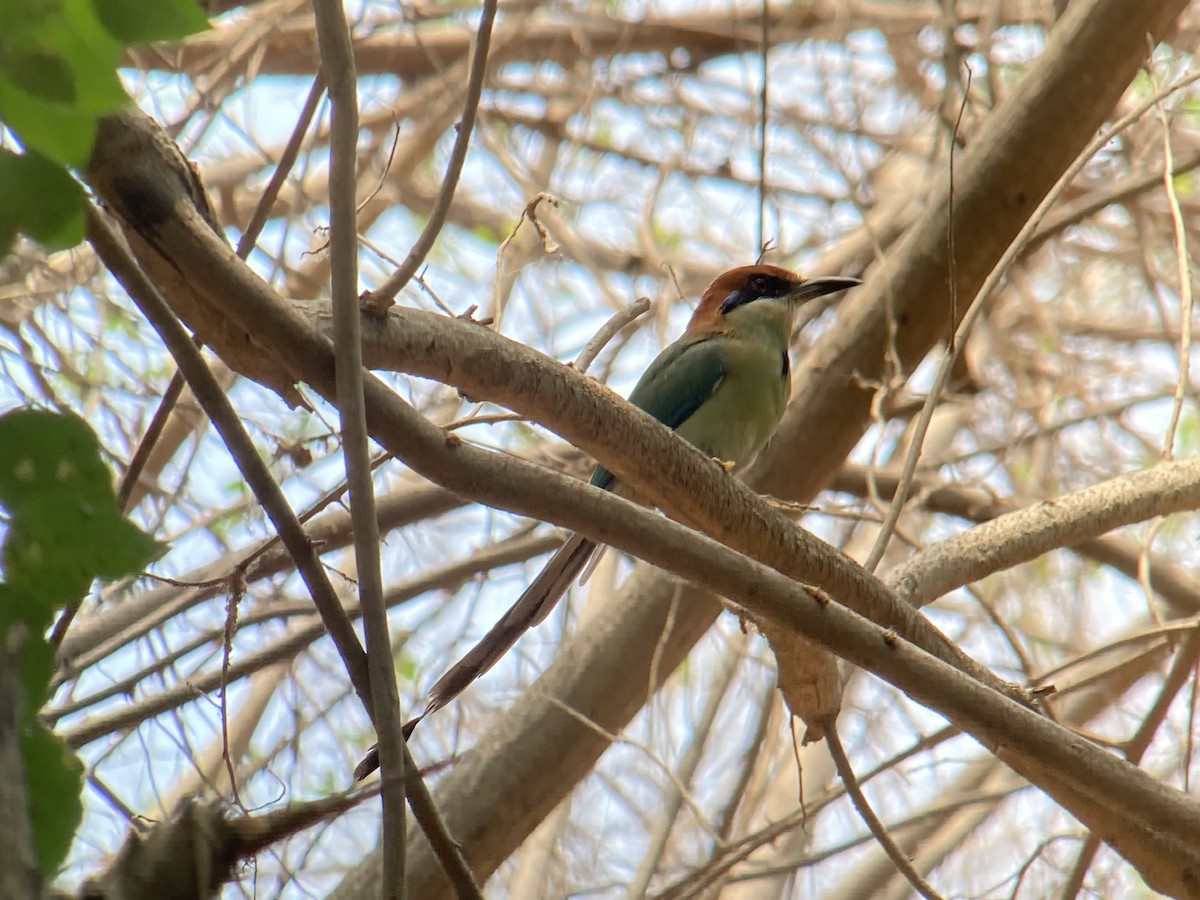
{"x":531,"y":608}
{"x":534,"y":604}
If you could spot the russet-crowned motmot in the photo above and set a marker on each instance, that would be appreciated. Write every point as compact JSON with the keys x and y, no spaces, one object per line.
{"x":722,"y":387}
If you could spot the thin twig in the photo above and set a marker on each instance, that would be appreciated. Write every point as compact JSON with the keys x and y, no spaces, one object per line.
{"x":625,"y":740}
{"x":337,"y":61}
{"x":999,"y":271}
{"x":787,"y":866}
{"x":1166,"y":634}
{"x":119,"y":261}
{"x":262,"y":212}
{"x":117,"y":258}
{"x":230,"y":626}
{"x":283,"y":168}
{"x":448,"y":851}
{"x":489,"y":419}
{"x":755,"y":754}
{"x":951,"y":254}
{"x":145,"y":447}
{"x":608,"y":331}
{"x":1137,"y":745}
{"x":685,"y":770}
{"x":128,"y":482}
{"x":1184,"y":273}
{"x":300,"y":635}
{"x":728,"y":855}
{"x":385,"y":170}
{"x":764,"y":40}
{"x":385,"y":295}
{"x":846,"y":772}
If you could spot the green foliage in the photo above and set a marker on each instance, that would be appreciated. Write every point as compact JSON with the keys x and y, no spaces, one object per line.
{"x":65,"y":527}
{"x":39,"y":198}
{"x":138,"y":22}
{"x":64,"y":530}
{"x":58,"y":76}
{"x":54,"y":779}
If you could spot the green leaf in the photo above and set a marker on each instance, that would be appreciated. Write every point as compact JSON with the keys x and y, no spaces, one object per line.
{"x":47,"y":456}
{"x":138,"y":22}
{"x":65,"y":43}
{"x":38,"y":73}
{"x":19,"y":17}
{"x":22,"y":603}
{"x":56,"y":130}
{"x":58,"y":561}
{"x":65,"y":527}
{"x":55,"y":779}
{"x":22,"y":606}
{"x":53,"y":776}
{"x":37,"y":665}
{"x":39,"y":199}
{"x":80,"y":38}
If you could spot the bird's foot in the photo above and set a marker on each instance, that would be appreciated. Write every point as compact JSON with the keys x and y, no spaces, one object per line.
{"x":725,"y":464}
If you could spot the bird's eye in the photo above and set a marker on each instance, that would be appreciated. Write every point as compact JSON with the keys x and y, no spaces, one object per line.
{"x":759,"y":284}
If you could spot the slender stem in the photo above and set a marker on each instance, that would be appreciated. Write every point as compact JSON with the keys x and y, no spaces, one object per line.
{"x":337,"y":61}
{"x":117,"y":258}
{"x":842,"y":763}
{"x":386,"y":293}
{"x":998,"y":273}
{"x":287,"y":159}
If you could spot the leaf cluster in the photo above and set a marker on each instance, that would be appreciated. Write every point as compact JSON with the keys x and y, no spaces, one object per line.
{"x":58,"y":76}
{"x":64,"y":530}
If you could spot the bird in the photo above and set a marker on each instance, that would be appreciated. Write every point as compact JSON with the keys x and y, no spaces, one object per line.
{"x":722,"y":386}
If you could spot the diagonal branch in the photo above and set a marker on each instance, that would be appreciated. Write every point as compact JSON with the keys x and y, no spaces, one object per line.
{"x":384,"y":295}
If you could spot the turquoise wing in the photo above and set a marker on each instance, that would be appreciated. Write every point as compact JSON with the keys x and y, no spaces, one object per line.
{"x":674,"y":386}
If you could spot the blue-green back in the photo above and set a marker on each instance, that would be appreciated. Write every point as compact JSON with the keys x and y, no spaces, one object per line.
{"x":674,"y":386}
